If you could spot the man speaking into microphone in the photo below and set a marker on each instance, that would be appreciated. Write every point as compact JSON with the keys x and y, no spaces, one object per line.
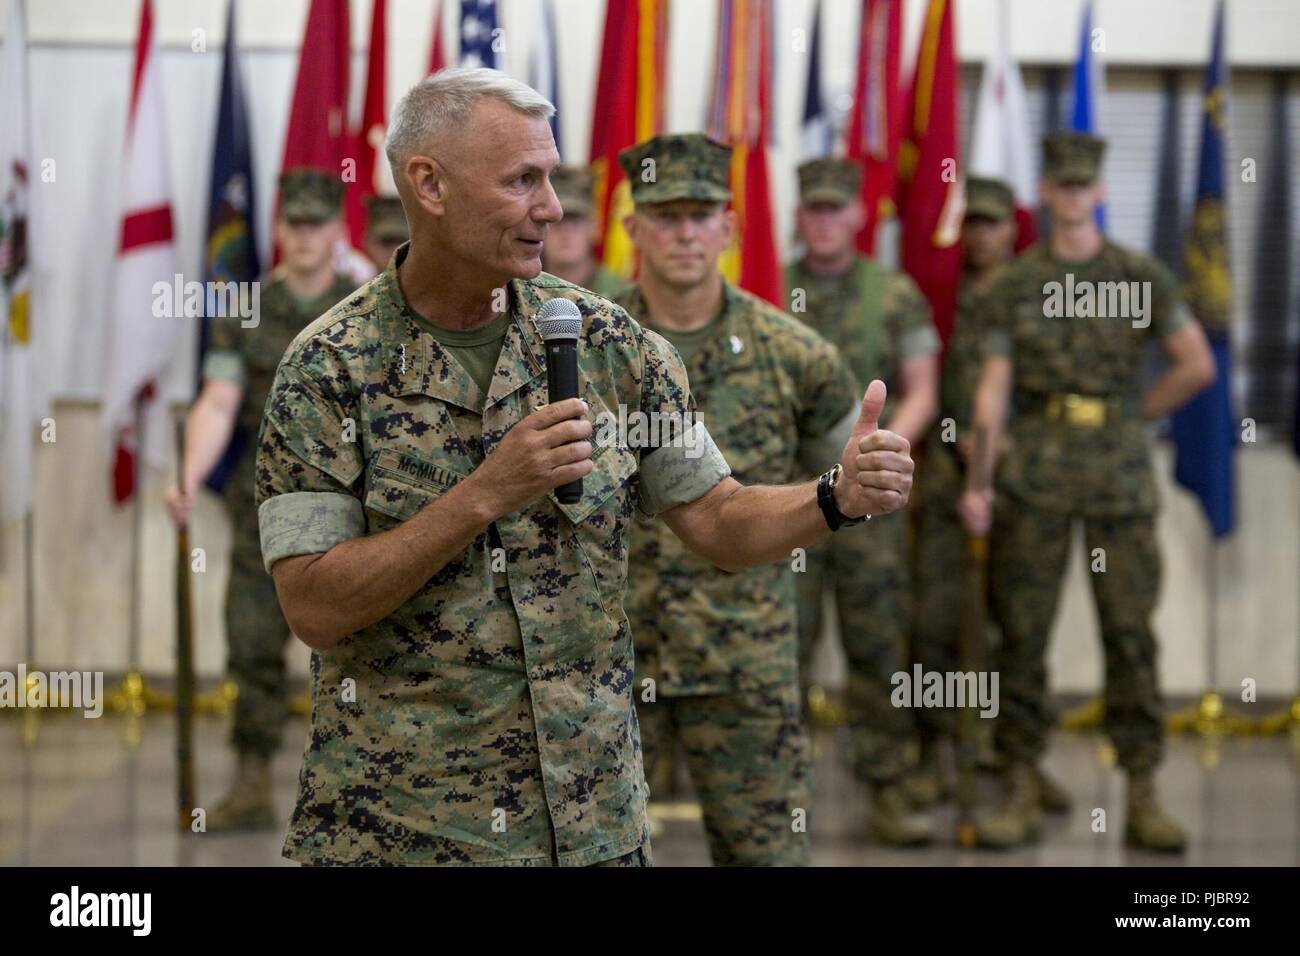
{"x":472,"y":674}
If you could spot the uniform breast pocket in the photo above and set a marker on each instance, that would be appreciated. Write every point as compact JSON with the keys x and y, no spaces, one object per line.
{"x":599,"y":522}
{"x":400,"y":484}
{"x":757,"y":448}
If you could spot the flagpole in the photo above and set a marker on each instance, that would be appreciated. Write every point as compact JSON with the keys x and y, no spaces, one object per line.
{"x":132,"y":696}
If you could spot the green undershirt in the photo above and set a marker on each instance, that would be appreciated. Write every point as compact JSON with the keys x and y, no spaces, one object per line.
{"x":689,"y":343}
{"x":476,"y":350}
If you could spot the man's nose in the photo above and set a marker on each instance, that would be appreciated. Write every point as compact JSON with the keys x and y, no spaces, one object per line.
{"x":549,"y":210}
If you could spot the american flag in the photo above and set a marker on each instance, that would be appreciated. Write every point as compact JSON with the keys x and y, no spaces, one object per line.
{"x":478,"y":33}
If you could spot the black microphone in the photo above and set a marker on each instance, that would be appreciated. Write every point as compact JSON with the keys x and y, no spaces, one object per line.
{"x":560,"y":323}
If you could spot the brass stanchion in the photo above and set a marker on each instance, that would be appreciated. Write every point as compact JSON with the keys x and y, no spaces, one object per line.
{"x":1087,"y":716}
{"x":1209,"y":717}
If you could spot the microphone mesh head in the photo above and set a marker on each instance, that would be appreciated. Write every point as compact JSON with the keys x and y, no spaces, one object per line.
{"x":559,"y":319}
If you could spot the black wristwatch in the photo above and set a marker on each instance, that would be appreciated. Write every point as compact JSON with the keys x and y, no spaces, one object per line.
{"x":835,"y":518}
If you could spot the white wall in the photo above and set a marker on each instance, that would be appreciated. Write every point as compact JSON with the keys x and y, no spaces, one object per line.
{"x":80,"y":62}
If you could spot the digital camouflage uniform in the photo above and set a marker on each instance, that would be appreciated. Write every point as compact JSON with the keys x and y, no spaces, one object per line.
{"x":878,"y":319}
{"x":575,"y":188}
{"x":720,"y":647}
{"x":489,"y":719}
{"x":256,"y":631}
{"x":1078,"y":451}
{"x":1088,"y":465}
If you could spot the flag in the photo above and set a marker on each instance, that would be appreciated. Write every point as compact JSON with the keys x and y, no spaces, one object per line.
{"x":816,"y":131}
{"x":373,"y":176}
{"x":478,"y":33}
{"x":318,"y":134}
{"x":741,"y":116}
{"x":1089,"y":85}
{"x":230,"y":254}
{"x":1203,"y":430}
{"x":931,"y":193}
{"x":1167,"y":227}
{"x":877,"y":122}
{"x":19,"y":405}
{"x":1000,"y":145}
{"x":545,"y":73}
{"x":629,"y":108}
{"x":437,"y":51}
{"x":140,"y":344}
{"x":1270,"y":363}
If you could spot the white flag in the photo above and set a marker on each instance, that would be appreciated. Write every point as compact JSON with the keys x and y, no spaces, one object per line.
{"x":140,"y":343}
{"x":18,"y":402}
{"x":1000,"y":144}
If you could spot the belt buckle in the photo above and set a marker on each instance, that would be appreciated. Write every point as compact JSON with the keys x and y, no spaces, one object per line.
{"x":1085,"y":411}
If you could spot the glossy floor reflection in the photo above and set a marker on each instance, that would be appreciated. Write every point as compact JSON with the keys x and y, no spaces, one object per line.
{"x":102,"y":793}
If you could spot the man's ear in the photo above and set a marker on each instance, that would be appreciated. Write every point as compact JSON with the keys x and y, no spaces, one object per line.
{"x":1044,"y":192}
{"x":428,"y":184}
{"x":728,"y":226}
{"x":858,"y":216}
{"x":632,"y":226}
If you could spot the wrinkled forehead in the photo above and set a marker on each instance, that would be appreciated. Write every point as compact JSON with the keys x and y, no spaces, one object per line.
{"x":499,"y":136}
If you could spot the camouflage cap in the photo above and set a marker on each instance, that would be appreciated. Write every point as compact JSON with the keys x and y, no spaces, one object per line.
{"x":310,"y":195}
{"x":989,"y":198}
{"x":385,"y":219}
{"x":829,"y":180}
{"x":575,"y":188}
{"x":1072,"y":157}
{"x":685,"y":166}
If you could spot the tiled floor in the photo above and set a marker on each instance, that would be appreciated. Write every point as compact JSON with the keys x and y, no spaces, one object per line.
{"x":102,"y":792}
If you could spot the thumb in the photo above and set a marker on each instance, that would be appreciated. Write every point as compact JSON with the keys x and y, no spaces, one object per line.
{"x":873,"y":402}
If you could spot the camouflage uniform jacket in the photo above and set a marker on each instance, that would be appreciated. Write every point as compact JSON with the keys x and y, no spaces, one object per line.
{"x":780,"y":403}
{"x":875,"y":316}
{"x":490,"y":718}
{"x":1054,"y":465}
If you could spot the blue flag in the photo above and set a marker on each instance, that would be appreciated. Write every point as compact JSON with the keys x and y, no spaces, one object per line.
{"x":1204,"y":430}
{"x":816,"y":129}
{"x":231,"y":251}
{"x":478,"y":33}
{"x":1089,"y":82}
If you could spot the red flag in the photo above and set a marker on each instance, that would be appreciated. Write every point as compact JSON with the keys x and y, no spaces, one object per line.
{"x":140,"y":339}
{"x":437,"y":53}
{"x":374,"y":122}
{"x":930,"y":189}
{"x":876,"y":124}
{"x":318,"y":133}
{"x":629,"y":108}
{"x":741,"y":116}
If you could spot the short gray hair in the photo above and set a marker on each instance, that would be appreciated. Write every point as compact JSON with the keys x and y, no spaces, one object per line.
{"x":441,"y":103}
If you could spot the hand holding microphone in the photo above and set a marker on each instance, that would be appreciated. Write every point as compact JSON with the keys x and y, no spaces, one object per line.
{"x":551,"y":448}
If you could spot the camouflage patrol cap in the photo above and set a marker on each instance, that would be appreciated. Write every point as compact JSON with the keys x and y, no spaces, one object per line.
{"x":575,"y":187}
{"x":309,"y":195}
{"x":989,"y":198}
{"x":385,"y":219}
{"x":685,"y":166}
{"x":1072,"y":157}
{"x":829,"y":180}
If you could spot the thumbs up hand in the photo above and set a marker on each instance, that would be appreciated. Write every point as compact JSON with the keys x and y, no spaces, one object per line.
{"x":877,"y":463}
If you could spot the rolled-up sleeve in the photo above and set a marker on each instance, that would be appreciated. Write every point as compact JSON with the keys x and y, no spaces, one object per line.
{"x":308,"y":466}
{"x":684,"y":471}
